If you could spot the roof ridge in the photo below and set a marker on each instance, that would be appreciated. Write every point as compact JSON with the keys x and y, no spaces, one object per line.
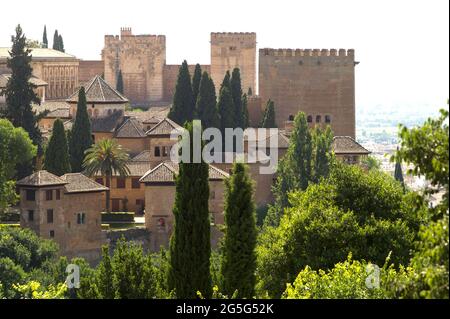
{"x":101,"y":86}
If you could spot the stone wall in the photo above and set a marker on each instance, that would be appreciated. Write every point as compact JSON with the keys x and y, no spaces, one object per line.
{"x":61,"y":76}
{"x":89,"y":69}
{"x":320,"y":83}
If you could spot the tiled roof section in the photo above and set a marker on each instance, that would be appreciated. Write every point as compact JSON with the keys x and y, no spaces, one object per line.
{"x":347,"y":145}
{"x":97,"y":90}
{"x":34,"y":80}
{"x":130,"y":128}
{"x":39,"y":53}
{"x":62,"y":113}
{"x":166,"y":171}
{"x":144,"y":156}
{"x":41,"y":178}
{"x":165,"y":127}
{"x":108,"y":123}
{"x":152,"y":116}
{"x":138,"y":169}
{"x":79,"y":183}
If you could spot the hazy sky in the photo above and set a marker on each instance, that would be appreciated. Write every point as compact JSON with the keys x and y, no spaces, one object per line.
{"x":403,"y":45}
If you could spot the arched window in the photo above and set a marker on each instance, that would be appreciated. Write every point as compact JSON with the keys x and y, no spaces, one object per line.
{"x":309,"y":118}
{"x":318,"y":119}
{"x":157,"y":151}
{"x":327,"y":119}
{"x":291,"y":117}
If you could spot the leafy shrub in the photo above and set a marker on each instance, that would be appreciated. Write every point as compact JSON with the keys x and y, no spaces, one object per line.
{"x":117,"y":217}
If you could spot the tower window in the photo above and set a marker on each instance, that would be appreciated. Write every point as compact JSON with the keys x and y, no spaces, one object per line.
{"x":157,"y":151}
{"x":327,"y":119}
{"x":309,"y":119}
{"x":49,"y":194}
{"x":135,"y":183}
{"x":165,"y":151}
{"x":49,"y":216}
{"x":81,"y":218}
{"x":291,"y":117}
{"x":318,"y":119}
{"x":58,"y":194}
{"x":31,"y":215}
{"x":121,"y":182}
{"x":31,"y":195}
{"x":52,"y":234}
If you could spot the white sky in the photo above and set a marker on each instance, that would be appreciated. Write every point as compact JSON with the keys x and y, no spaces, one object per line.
{"x":403,"y":45}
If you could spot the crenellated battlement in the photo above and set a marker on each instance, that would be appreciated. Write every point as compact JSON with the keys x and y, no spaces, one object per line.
{"x":307,"y":52}
{"x":140,"y":38}
{"x":247,"y":37}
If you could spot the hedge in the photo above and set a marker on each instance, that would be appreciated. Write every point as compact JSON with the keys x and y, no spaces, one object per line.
{"x":122,"y":217}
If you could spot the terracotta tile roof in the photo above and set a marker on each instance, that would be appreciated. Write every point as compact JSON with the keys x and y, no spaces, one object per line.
{"x":97,"y":90}
{"x":41,"y":178}
{"x":130,"y":128}
{"x":34,"y":80}
{"x":165,"y":172}
{"x":347,"y":145}
{"x":144,"y":156}
{"x":107,"y":123}
{"x":164,"y":127}
{"x":138,"y":169}
{"x":153,"y":115}
{"x":79,"y":183}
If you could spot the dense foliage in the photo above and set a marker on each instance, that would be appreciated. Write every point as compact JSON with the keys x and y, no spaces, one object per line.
{"x":183,"y":107}
{"x":57,"y":159}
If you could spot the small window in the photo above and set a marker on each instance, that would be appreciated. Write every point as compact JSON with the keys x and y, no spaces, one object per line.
{"x":49,"y":194}
{"x":49,"y":216}
{"x":68,"y":225}
{"x":266,"y":51}
{"x":52,"y":234}
{"x":318,"y":119}
{"x":31,"y":215}
{"x":99,"y":180}
{"x":157,"y":151}
{"x":165,"y":151}
{"x":81,"y":218}
{"x":31,"y":195}
{"x":291,"y":117}
{"x":327,"y":119}
{"x":58,"y":194}
{"x":309,"y":119}
{"x":135,"y":183}
{"x":121,"y":182}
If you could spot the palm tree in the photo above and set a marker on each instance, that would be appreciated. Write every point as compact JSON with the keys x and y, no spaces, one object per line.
{"x":106,"y":157}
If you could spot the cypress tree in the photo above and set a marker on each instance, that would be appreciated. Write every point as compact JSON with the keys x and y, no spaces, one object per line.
{"x":183,"y":107}
{"x":20,"y":95}
{"x":196,"y":78}
{"x":190,"y":247}
{"x":398,"y":173}
{"x":236,"y":92}
{"x":81,"y":136}
{"x":226,"y":81}
{"x":246,"y":116}
{"x":301,"y":151}
{"x":206,"y":107}
{"x":268,"y":120}
{"x":56,"y":40}
{"x":57,"y":153}
{"x":105,"y":276}
{"x":239,"y":258}
{"x":60,"y":43}
{"x":225,"y":107}
{"x":249,"y":92}
{"x":119,"y":85}
{"x":44,"y":38}
{"x":321,"y":141}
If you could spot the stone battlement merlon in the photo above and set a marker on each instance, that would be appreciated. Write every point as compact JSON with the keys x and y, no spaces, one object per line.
{"x":115,"y":39}
{"x":249,"y":37}
{"x":307,"y":52}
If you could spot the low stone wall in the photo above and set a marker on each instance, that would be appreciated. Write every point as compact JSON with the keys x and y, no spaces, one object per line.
{"x":140,"y":236}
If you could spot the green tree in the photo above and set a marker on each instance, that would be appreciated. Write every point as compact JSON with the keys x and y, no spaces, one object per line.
{"x":10,"y":274}
{"x":268,"y":120}
{"x":57,"y":153}
{"x":206,"y":107}
{"x":119,"y":85}
{"x":105,"y":276}
{"x":81,"y":135}
{"x":60,"y":43}
{"x":236,"y":93}
{"x":239,"y":258}
{"x":190,"y":247}
{"x":322,"y":141}
{"x":398,"y":173}
{"x":196,"y":78}
{"x":16,"y":148}
{"x":351,"y":211}
{"x":245,"y":111}
{"x":225,"y":107}
{"x":183,"y":107}
{"x":20,"y":95}
{"x":371,"y":163}
{"x":44,"y":38}
{"x":106,"y":157}
{"x":56,"y":41}
{"x":249,"y":92}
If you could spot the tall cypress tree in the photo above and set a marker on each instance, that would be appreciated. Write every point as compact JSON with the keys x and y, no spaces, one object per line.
{"x":239,"y":258}
{"x":57,"y":153}
{"x":183,"y":106}
{"x":225,"y":107}
{"x":196,"y":78}
{"x":321,"y":143}
{"x":81,"y":136}
{"x":119,"y":84}
{"x":44,"y":38}
{"x":206,"y":107}
{"x":249,"y":92}
{"x":236,"y":92}
{"x":60,"y":43}
{"x":56,"y":40}
{"x":20,"y":95}
{"x":398,"y":173}
{"x":226,"y":81}
{"x":246,"y":116}
{"x":268,"y":120}
{"x":190,"y":247}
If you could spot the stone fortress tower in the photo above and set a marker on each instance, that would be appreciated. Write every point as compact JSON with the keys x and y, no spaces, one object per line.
{"x":141,"y":59}
{"x":231,"y":50}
